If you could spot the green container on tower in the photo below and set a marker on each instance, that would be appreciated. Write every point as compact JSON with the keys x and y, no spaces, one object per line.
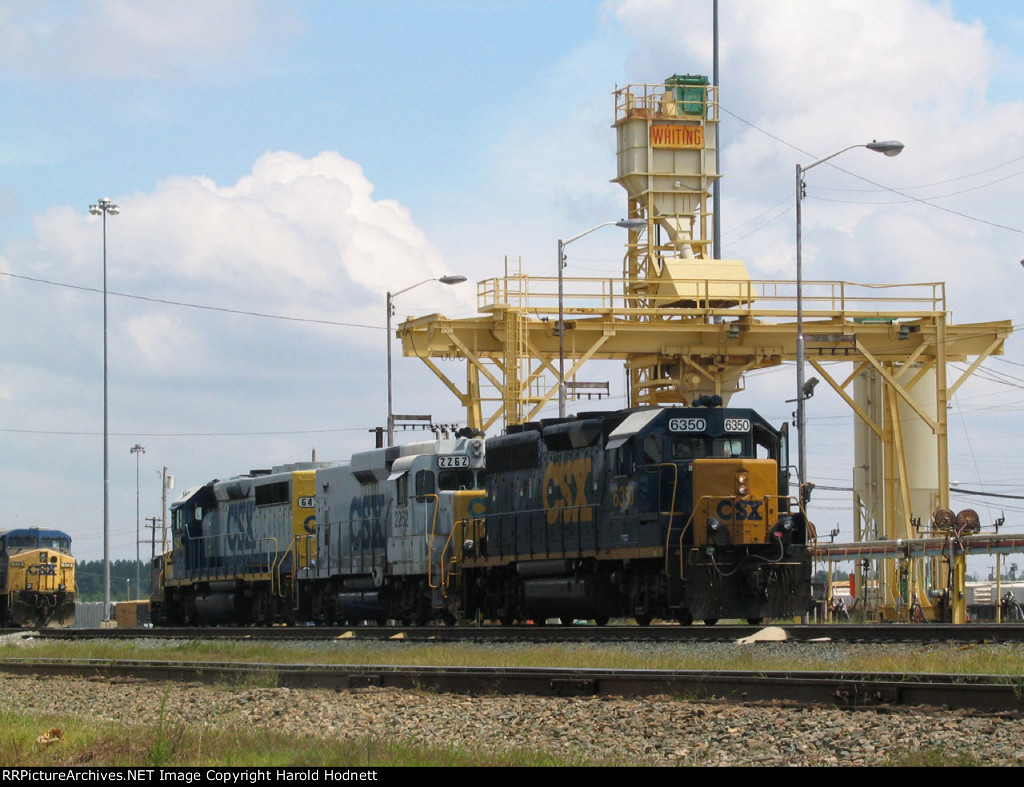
{"x":689,"y":91}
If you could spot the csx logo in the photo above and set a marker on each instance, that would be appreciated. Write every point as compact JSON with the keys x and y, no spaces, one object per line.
{"x":477,"y":506}
{"x":565,"y":487}
{"x":365,"y":530}
{"x":43,"y":570}
{"x":740,"y":510}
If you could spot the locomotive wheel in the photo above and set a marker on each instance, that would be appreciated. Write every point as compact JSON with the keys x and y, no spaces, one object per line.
{"x":710,"y":621}
{"x":643,"y":620}
{"x":602,"y":621}
{"x":685,"y":618}
{"x":755,"y":621}
{"x":506,"y":620}
{"x":565,"y":621}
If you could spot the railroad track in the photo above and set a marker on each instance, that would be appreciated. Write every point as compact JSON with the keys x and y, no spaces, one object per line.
{"x":983,"y":693}
{"x":935,"y":632}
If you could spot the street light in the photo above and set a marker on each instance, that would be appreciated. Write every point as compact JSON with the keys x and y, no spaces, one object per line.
{"x":629,"y":224}
{"x":102,"y":208}
{"x":137,"y":449}
{"x":889,"y":148}
{"x":391,"y":297}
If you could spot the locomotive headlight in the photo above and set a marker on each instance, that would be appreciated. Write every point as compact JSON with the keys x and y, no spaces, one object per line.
{"x":468,"y":546}
{"x":718,"y":534}
{"x":742,"y":483}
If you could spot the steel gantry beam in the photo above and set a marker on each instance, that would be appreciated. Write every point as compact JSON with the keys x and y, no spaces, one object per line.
{"x":685,"y":323}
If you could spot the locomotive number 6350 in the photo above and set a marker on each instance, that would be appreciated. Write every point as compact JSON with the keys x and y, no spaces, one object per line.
{"x":687,"y":425}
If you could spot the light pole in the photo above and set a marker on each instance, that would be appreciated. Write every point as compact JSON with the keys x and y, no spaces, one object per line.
{"x":102,"y":208}
{"x":629,"y":224}
{"x":137,"y":449}
{"x":889,"y":148}
{"x":391,"y":297}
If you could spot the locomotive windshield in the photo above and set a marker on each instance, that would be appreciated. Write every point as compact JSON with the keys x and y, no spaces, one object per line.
{"x":727,"y":447}
{"x":20,"y":542}
{"x":32,"y":540}
{"x":453,"y":480}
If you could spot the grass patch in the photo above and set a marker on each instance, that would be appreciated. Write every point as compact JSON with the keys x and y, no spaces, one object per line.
{"x":955,"y":658}
{"x":86,"y":743}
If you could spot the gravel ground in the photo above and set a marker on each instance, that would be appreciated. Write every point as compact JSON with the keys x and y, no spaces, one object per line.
{"x":650,"y":731}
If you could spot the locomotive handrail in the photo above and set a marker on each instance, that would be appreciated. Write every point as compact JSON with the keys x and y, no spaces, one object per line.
{"x":310,"y":540}
{"x":445,"y":576}
{"x":672,"y":508}
{"x":275,"y":571}
{"x":430,"y":538}
{"x":231,"y":564}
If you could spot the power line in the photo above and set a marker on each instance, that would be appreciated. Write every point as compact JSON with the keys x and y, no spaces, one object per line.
{"x":192,"y":305}
{"x":908,"y":197}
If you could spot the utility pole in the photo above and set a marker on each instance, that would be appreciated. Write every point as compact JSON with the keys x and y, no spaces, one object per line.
{"x":168,"y":483}
{"x":137,"y":449}
{"x":152,"y":542}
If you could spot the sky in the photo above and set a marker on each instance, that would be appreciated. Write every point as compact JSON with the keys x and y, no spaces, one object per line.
{"x":281,"y":165}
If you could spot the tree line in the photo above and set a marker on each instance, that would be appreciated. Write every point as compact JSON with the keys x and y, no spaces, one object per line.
{"x":89,"y":578}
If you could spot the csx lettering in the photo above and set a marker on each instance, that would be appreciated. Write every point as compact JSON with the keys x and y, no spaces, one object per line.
{"x":565,"y":491}
{"x":365,"y":531}
{"x":740,"y":510}
{"x":238,"y":524}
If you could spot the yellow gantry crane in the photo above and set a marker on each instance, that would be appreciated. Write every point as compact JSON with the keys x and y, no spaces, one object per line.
{"x":685,"y":323}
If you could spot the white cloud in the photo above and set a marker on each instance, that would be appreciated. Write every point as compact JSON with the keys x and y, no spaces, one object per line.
{"x":135,"y":39}
{"x":297,"y":237}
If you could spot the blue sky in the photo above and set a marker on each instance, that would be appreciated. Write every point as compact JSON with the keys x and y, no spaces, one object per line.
{"x":303,"y":158}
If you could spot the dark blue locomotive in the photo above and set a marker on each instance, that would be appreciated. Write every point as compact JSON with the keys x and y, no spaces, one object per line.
{"x":675,"y":513}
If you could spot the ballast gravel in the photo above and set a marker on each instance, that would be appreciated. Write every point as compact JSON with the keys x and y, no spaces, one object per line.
{"x":647,"y":731}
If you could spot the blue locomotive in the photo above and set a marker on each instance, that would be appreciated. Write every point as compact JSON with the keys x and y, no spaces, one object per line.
{"x":236,"y":545}
{"x":674,"y":513}
{"x":331,"y":542}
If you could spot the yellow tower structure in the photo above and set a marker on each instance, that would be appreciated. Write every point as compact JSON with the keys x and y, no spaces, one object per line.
{"x":667,"y":140}
{"x":685,"y":324}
